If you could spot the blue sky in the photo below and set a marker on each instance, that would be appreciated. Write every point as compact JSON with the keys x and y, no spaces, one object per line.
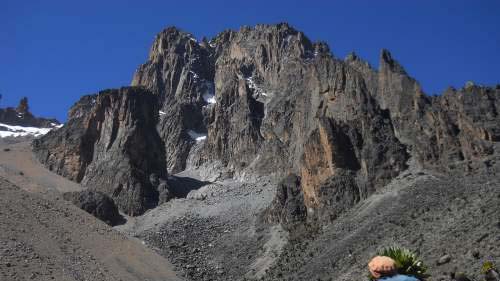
{"x":53,"y":52}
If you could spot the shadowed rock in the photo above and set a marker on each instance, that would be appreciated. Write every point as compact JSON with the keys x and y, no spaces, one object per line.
{"x":110,"y":144}
{"x":288,"y":205}
{"x":181,"y":186}
{"x":96,"y":203}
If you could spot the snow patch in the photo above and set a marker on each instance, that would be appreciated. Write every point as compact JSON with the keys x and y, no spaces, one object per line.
{"x":311,"y":55}
{"x":257,"y":90}
{"x":20,"y":131}
{"x":210,"y":99}
{"x":56,"y":126}
{"x":207,"y":88}
{"x":161,"y":112}
{"x":196,"y":136}
{"x":209,"y":92}
{"x":195,"y":75}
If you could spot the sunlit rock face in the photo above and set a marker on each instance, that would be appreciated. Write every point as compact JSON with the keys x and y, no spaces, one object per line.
{"x":268,"y":101}
{"x":283,"y":104}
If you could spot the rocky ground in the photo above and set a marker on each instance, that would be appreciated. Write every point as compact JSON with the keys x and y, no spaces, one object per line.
{"x":217,"y":231}
{"x":451,"y":221}
{"x":43,"y":237}
{"x":18,"y":164}
{"x":214,"y":233}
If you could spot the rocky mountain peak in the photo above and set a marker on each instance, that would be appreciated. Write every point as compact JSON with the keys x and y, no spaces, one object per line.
{"x":173,"y":40}
{"x":386,"y":62}
{"x":21,"y":117}
{"x":280,"y":38}
{"x":23,"y":106}
{"x":265,"y":100}
{"x":351,"y":57}
{"x":279,"y":31}
{"x":353,"y":60}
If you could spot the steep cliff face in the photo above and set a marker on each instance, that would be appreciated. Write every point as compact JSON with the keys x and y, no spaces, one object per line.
{"x":467,"y":125}
{"x":110,"y":144}
{"x":456,"y":126}
{"x":180,"y":72}
{"x":268,"y":101}
{"x":282,"y":104}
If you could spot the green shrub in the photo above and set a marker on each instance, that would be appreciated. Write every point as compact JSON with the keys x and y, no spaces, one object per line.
{"x":487,"y":266}
{"x":407,"y":262}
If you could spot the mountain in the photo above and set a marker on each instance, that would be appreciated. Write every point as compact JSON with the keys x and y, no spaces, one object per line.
{"x":267,"y":100}
{"x":329,"y":134}
{"x":20,"y":122}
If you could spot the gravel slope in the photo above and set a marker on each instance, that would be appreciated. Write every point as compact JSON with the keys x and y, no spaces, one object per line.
{"x":435,"y":215}
{"x":216,"y":233}
{"x":18,"y":164}
{"x":43,"y":237}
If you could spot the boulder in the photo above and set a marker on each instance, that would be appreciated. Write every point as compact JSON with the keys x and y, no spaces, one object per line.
{"x":96,"y":203}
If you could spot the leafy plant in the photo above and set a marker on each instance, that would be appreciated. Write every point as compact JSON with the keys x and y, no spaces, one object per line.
{"x":407,"y":262}
{"x":487,"y":266}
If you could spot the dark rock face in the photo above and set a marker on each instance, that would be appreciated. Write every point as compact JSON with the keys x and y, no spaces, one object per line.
{"x":21,"y":116}
{"x":96,"y":203}
{"x":180,"y":72}
{"x":288,"y":205}
{"x":110,"y":144}
{"x":456,"y":126}
{"x":284,"y":104}
{"x":268,"y":101}
{"x":336,"y":195}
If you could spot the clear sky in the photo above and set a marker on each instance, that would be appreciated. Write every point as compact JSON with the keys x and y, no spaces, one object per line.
{"x":54,"y":51}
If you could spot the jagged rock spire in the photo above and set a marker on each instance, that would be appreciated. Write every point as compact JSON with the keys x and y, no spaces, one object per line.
{"x":387,"y":62}
{"x":23,"y":106}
